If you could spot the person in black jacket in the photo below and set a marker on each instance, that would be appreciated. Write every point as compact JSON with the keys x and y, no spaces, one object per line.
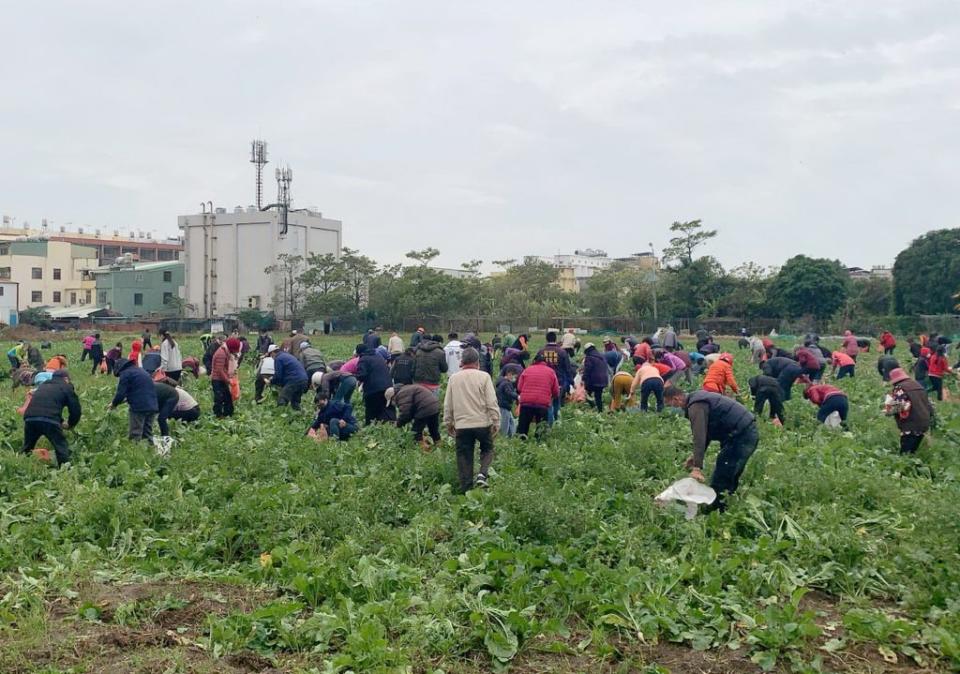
{"x":96,"y":353}
{"x":507,"y":397}
{"x":401,"y":367}
{"x":766,"y":389}
{"x":44,"y":415}
{"x":714,"y":417}
{"x":785,"y":370}
{"x":373,"y":373}
{"x":167,"y":399}
{"x":886,"y":365}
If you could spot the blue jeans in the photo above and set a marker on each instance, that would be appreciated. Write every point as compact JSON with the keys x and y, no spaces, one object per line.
{"x":508,"y":425}
{"x":337,"y":433}
{"x":346,"y":388}
{"x":553,"y":412}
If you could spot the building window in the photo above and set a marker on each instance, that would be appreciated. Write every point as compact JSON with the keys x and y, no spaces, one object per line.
{"x":5,"y":273}
{"x":87,"y":295}
{"x":138,"y":299}
{"x":56,"y":274}
{"x":73,"y":298}
{"x":1,"y":291}
{"x":102,"y":297}
{"x":167,"y":276}
{"x":56,"y":296}
{"x":4,"y":248}
{"x":166,"y":298}
{"x":139,"y":277}
{"x":36,"y":272}
{"x":36,"y":296}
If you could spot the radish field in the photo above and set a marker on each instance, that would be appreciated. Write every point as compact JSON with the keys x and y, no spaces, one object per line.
{"x":254,"y":548}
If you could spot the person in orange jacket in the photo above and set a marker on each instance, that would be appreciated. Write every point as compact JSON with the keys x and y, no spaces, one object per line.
{"x":720,"y":376}
{"x":58,"y":362}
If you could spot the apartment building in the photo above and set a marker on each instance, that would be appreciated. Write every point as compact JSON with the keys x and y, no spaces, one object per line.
{"x":48,"y":273}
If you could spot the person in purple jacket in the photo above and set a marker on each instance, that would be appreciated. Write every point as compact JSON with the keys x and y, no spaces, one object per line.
{"x":677,"y":366}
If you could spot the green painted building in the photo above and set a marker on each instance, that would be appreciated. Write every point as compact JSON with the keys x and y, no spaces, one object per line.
{"x":139,"y":289}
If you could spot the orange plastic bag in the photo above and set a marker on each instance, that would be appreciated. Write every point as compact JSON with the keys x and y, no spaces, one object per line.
{"x":235,"y":389}
{"x":159,"y":375}
{"x":103,"y":367}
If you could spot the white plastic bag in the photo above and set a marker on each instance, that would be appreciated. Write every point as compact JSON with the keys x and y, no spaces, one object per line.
{"x":833,"y":420}
{"x":162,"y":443}
{"x":689,"y":491}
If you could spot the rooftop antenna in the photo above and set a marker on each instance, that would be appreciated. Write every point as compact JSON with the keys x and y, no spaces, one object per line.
{"x":284,"y":178}
{"x":258,"y":157}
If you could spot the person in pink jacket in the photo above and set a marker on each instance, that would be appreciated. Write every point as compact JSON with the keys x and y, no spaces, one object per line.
{"x":538,"y":387}
{"x":850,"y":346}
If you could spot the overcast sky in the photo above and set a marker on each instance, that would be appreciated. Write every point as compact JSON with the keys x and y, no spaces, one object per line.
{"x":496,"y":129}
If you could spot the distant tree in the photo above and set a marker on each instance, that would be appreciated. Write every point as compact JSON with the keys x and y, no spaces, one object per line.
{"x":746,"y":294}
{"x":37,"y":317}
{"x":925,"y":274}
{"x":288,"y":294}
{"x":425,"y":256}
{"x":179,"y":306}
{"x":693,"y":289}
{"x":358,"y":270}
{"x":689,"y":236}
{"x":870,"y":297}
{"x":809,"y":286}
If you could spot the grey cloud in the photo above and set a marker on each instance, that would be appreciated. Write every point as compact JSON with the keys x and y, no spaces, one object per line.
{"x":538,"y":127}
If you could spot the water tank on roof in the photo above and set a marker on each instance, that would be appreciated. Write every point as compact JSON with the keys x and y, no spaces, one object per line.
{"x":79,"y":230}
{"x":238,"y":209}
{"x":251,"y":209}
{"x":221,"y":210}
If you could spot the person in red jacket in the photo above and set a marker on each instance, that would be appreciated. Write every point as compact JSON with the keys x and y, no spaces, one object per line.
{"x":538,"y":387}
{"x":829,"y":399}
{"x":887,"y":342}
{"x":811,"y":364}
{"x":937,"y":366}
{"x":843,"y":364}
{"x":220,"y":378}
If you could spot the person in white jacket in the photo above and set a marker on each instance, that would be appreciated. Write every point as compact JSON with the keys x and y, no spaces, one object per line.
{"x":171,"y":361}
{"x":395,"y":344}
{"x":454,"y":352}
{"x":471,"y":415}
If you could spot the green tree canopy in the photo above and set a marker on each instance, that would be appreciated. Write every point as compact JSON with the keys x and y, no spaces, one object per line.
{"x":926,"y":274}
{"x":809,"y":286}
{"x":688,"y":237}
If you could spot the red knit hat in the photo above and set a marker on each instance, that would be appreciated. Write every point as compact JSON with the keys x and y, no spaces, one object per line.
{"x":233,"y":345}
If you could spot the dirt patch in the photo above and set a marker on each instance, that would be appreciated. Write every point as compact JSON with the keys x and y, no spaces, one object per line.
{"x":249,"y":661}
{"x":140,"y":627}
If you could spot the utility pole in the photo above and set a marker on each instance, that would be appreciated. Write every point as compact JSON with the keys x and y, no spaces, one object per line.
{"x":654,"y":253}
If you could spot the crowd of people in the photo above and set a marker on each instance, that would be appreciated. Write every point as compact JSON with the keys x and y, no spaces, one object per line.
{"x":477,"y":391}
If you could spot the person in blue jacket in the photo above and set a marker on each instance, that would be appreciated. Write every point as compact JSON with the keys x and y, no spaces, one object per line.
{"x":373,"y":373}
{"x":336,"y":417}
{"x":136,"y":388}
{"x":291,"y":377}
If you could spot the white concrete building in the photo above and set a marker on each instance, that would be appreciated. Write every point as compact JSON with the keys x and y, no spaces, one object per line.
{"x":50,"y":273}
{"x":9,"y":295}
{"x":225,"y":255}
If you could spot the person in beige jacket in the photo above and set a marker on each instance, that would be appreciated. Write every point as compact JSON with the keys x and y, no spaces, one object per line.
{"x":471,"y":416}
